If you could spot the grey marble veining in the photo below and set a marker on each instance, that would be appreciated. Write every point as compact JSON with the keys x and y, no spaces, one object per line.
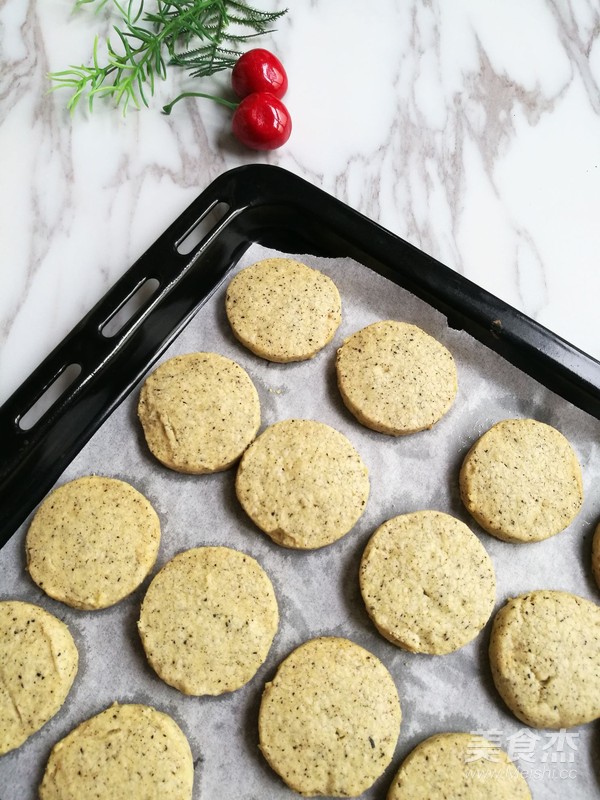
{"x":469,"y":127}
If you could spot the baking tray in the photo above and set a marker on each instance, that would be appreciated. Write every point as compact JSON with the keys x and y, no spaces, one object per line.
{"x":318,"y":594}
{"x":251,"y":204}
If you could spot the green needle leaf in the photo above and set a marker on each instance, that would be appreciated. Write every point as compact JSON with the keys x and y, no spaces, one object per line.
{"x":185,"y":33}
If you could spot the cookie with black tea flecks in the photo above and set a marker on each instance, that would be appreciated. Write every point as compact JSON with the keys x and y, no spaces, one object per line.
{"x":199,"y":412}
{"x":521,"y":481}
{"x":208,"y":620}
{"x":303,"y":483}
{"x":451,"y":765}
{"x":38,"y":664}
{"x":330,"y":718}
{"x":92,"y":542}
{"x":395,"y":378}
{"x":283,"y":310}
{"x":596,"y":555}
{"x":126,"y":751}
{"x":545,"y":658}
{"x":427,"y":582}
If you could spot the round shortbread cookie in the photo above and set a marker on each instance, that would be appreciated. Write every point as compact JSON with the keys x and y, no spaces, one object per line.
{"x":395,"y":378}
{"x":92,"y":542}
{"x":451,"y":765}
{"x":199,"y":412}
{"x":38,"y":664}
{"x":303,"y":483}
{"x":545,"y":658}
{"x":427,"y":582}
{"x":521,"y":481}
{"x":127,"y":751}
{"x":330,"y":718}
{"x":596,"y":555}
{"x":208,"y":620}
{"x":283,"y":310}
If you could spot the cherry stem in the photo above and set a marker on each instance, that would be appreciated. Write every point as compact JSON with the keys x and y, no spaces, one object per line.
{"x":168,"y":108}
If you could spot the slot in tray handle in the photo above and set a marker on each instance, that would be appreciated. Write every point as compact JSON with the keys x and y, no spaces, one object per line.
{"x":273,"y":207}
{"x":35,"y":451}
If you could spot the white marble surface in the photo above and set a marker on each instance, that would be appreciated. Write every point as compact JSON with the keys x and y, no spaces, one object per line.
{"x":469,"y":127}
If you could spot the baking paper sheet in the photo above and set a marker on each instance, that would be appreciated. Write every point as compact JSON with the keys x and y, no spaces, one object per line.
{"x":318,"y":591}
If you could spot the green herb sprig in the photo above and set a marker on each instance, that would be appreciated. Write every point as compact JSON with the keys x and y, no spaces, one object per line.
{"x":200,"y":36}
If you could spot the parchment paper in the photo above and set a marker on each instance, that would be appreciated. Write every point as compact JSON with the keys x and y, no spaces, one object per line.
{"x":318,"y":591}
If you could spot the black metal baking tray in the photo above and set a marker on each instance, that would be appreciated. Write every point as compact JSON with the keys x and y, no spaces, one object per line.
{"x":252,"y":204}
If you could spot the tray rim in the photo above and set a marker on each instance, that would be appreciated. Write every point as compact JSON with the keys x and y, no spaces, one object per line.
{"x":264,"y":205}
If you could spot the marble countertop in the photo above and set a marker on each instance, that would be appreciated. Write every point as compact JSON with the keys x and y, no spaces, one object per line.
{"x":471,"y":128}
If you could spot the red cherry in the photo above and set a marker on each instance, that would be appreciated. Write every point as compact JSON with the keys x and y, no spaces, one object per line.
{"x":262,"y":122}
{"x":258,"y":70}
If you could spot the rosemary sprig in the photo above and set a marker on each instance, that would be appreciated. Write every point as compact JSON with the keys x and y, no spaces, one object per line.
{"x":185,"y":33}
